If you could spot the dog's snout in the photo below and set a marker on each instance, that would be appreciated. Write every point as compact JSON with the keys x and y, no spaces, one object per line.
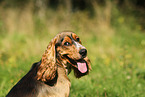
{"x":83,"y":52}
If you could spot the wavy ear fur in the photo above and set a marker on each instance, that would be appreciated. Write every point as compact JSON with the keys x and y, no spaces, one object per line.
{"x":48,"y":68}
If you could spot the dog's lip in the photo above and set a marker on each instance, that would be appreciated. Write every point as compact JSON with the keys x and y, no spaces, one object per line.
{"x":75,"y":61}
{"x":80,"y":64}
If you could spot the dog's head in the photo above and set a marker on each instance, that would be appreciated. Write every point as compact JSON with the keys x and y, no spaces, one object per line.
{"x":65,"y":50}
{"x":72,"y":54}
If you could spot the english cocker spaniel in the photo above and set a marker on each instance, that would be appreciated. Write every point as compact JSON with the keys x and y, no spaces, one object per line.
{"x":48,"y":78}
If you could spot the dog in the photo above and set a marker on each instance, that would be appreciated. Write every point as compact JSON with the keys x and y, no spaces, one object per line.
{"x":48,"y":77}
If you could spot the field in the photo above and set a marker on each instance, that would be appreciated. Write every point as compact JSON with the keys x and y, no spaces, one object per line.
{"x":116,"y":51}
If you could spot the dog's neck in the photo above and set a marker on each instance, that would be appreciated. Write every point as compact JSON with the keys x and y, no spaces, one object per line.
{"x":64,"y":64}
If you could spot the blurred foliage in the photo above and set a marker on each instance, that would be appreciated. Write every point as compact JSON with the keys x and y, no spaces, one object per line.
{"x":133,"y":8}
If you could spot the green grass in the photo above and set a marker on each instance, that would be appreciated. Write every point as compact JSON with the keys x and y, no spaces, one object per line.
{"x":118,"y":68}
{"x":117,"y":54}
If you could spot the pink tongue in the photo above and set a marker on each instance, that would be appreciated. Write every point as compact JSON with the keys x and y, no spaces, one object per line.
{"x":82,"y":67}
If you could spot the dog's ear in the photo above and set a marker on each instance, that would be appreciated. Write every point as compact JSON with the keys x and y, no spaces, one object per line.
{"x":48,"y":68}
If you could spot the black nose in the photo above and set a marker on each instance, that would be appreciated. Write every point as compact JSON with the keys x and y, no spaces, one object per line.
{"x":83,"y":52}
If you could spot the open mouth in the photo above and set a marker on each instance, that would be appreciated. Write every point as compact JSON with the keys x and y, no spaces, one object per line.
{"x":81,"y":64}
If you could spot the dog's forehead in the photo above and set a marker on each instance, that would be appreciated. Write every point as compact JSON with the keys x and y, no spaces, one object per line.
{"x":64,"y":34}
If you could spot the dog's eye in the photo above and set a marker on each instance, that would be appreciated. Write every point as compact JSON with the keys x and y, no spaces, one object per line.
{"x":78,"y":39}
{"x":66,"y":43}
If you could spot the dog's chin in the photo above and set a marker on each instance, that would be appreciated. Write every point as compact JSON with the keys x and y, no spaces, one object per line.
{"x":80,"y":66}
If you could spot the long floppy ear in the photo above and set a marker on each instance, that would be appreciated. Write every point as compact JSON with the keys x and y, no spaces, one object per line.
{"x":48,"y":68}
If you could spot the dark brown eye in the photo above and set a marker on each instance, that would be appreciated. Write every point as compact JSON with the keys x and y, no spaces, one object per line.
{"x":66,"y":43}
{"x":78,"y":39}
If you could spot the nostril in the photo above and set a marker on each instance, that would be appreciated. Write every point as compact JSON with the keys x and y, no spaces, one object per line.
{"x":83,"y":52}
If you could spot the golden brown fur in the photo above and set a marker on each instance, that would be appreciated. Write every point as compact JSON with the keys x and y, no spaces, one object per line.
{"x":49,"y":76}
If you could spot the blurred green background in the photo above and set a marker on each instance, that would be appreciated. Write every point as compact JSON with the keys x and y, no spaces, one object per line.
{"x":113,"y":31}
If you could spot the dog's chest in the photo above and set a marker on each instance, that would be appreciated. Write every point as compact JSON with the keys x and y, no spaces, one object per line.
{"x":60,"y":89}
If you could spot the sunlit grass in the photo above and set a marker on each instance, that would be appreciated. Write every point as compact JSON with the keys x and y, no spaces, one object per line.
{"x":117,"y":65}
